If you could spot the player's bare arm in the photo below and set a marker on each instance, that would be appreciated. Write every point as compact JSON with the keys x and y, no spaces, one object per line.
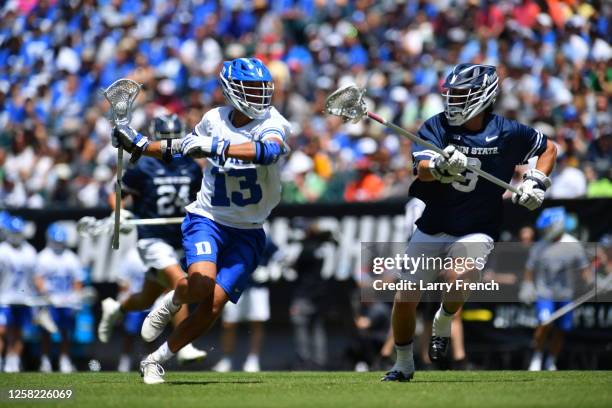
{"x":546,"y":161}
{"x":260,"y":152}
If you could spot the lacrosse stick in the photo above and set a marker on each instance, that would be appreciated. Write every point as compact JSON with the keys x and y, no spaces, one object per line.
{"x":603,"y":288}
{"x":121,"y":95}
{"x":347,"y":102}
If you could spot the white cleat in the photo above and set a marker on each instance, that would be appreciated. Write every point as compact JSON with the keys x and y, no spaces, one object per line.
{"x":151,"y":372}
{"x":158,"y":318}
{"x":111,"y":312}
{"x":535,"y":365}
{"x":189,"y":353}
{"x":12,"y":364}
{"x":45,"y":365}
{"x":65,"y":365}
{"x":251,"y":365}
{"x":223,"y":366}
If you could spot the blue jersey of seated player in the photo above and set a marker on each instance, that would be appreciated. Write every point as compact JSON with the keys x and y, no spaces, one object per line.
{"x":473,"y":204}
{"x":162,"y":190}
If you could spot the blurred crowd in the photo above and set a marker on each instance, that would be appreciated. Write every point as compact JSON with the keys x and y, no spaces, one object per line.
{"x":553,"y":57}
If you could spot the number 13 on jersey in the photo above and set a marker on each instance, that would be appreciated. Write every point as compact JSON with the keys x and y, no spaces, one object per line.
{"x":249,"y":191}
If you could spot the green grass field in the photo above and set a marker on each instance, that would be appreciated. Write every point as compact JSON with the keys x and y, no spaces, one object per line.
{"x":315,"y":389}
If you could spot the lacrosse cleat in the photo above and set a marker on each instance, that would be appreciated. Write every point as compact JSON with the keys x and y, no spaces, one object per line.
{"x":45,"y":365}
{"x":65,"y":365}
{"x":158,"y":318}
{"x":111,"y":312}
{"x":251,"y":365}
{"x":223,"y":366}
{"x":125,"y":364}
{"x":151,"y":372}
{"x":189,"y":353}
{"x":398,"y":376}
{"x":438,"y":348}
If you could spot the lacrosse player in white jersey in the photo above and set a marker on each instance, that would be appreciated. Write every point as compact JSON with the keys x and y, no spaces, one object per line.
{"x":223,"y":238}
{"x":17,"y":262}
{"x":59,"y":276}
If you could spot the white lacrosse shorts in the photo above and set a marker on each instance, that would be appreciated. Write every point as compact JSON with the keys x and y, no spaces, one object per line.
{"x":253,"y":306}
{"x":157,"y":255}
{"x":440,"y":248}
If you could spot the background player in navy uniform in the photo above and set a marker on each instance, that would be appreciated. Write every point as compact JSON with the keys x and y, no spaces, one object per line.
{"x":158,"y":190}
{"x":462,"y":213}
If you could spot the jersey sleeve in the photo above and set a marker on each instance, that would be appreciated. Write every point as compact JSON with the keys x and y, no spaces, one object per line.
{"x":76,"y":269}
{"x":40,"y":270}
{"x":132,"y":181}
{"x":276,"y":127}
{"x":531,"y":142}
{"x":431,"y":132}
{"x":581,"y":259}
{"x":205,"y":126}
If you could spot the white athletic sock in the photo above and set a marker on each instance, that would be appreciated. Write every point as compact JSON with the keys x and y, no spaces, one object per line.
{"x":442,"y":323}
{"x":550,"y":361}
{"x":162,"y":354}
{"x":404,"y":361}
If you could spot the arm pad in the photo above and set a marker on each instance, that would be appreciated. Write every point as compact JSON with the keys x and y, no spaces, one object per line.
{"x":268,"y":152}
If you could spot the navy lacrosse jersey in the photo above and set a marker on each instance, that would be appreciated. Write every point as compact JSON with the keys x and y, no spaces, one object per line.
{"x":472,"y":205}
{"x":162,"y":190}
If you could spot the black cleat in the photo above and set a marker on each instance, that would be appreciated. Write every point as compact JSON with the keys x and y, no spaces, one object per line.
{"x":396,"y":375}
{"x":438,"y":348}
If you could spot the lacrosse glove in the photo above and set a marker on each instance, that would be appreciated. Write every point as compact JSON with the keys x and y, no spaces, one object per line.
{"x":129,"y":139}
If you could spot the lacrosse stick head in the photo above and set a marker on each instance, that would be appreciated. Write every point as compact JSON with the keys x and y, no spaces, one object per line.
{"x":121,"y":95}
{"x":347,"y":102}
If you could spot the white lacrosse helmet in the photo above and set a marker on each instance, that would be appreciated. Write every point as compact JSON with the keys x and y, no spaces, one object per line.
{"x":468,"y":90}
{"x":248,"y":86}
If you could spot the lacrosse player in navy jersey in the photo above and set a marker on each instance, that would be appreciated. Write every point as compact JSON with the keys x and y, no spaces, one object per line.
{"x":463,"y":213}
{"x":158,"y":189}
{"x":223,"y":236}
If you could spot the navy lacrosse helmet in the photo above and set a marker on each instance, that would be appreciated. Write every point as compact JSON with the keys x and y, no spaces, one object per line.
{"x":166,"y":127}
{"x":468,"y":90}
{"x":248,"y":86}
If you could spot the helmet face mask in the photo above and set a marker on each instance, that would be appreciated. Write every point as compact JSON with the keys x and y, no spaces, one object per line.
{"x":166,"y":127}
{"x":468,"y":90}
{"x":247,"y":85}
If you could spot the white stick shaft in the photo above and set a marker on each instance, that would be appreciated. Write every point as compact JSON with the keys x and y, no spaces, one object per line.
{"x":436,"y":149}
{"x":118,"y":198}
{"x":155,"y":221}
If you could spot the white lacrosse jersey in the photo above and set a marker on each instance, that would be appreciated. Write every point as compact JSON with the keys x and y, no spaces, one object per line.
{"x":132,"y":272}
{"x":239,"y":194}
{"x":59,"y":271}
{"x":17,"y":273}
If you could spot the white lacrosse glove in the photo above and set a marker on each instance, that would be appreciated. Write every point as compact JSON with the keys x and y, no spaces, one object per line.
{"x":535,"y":183}
{"x":527,"y":292}
{"x":196,"y":146}
{"x":124,"y":215}
{"x":129,"y":139}
{"x":447,"y":170}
